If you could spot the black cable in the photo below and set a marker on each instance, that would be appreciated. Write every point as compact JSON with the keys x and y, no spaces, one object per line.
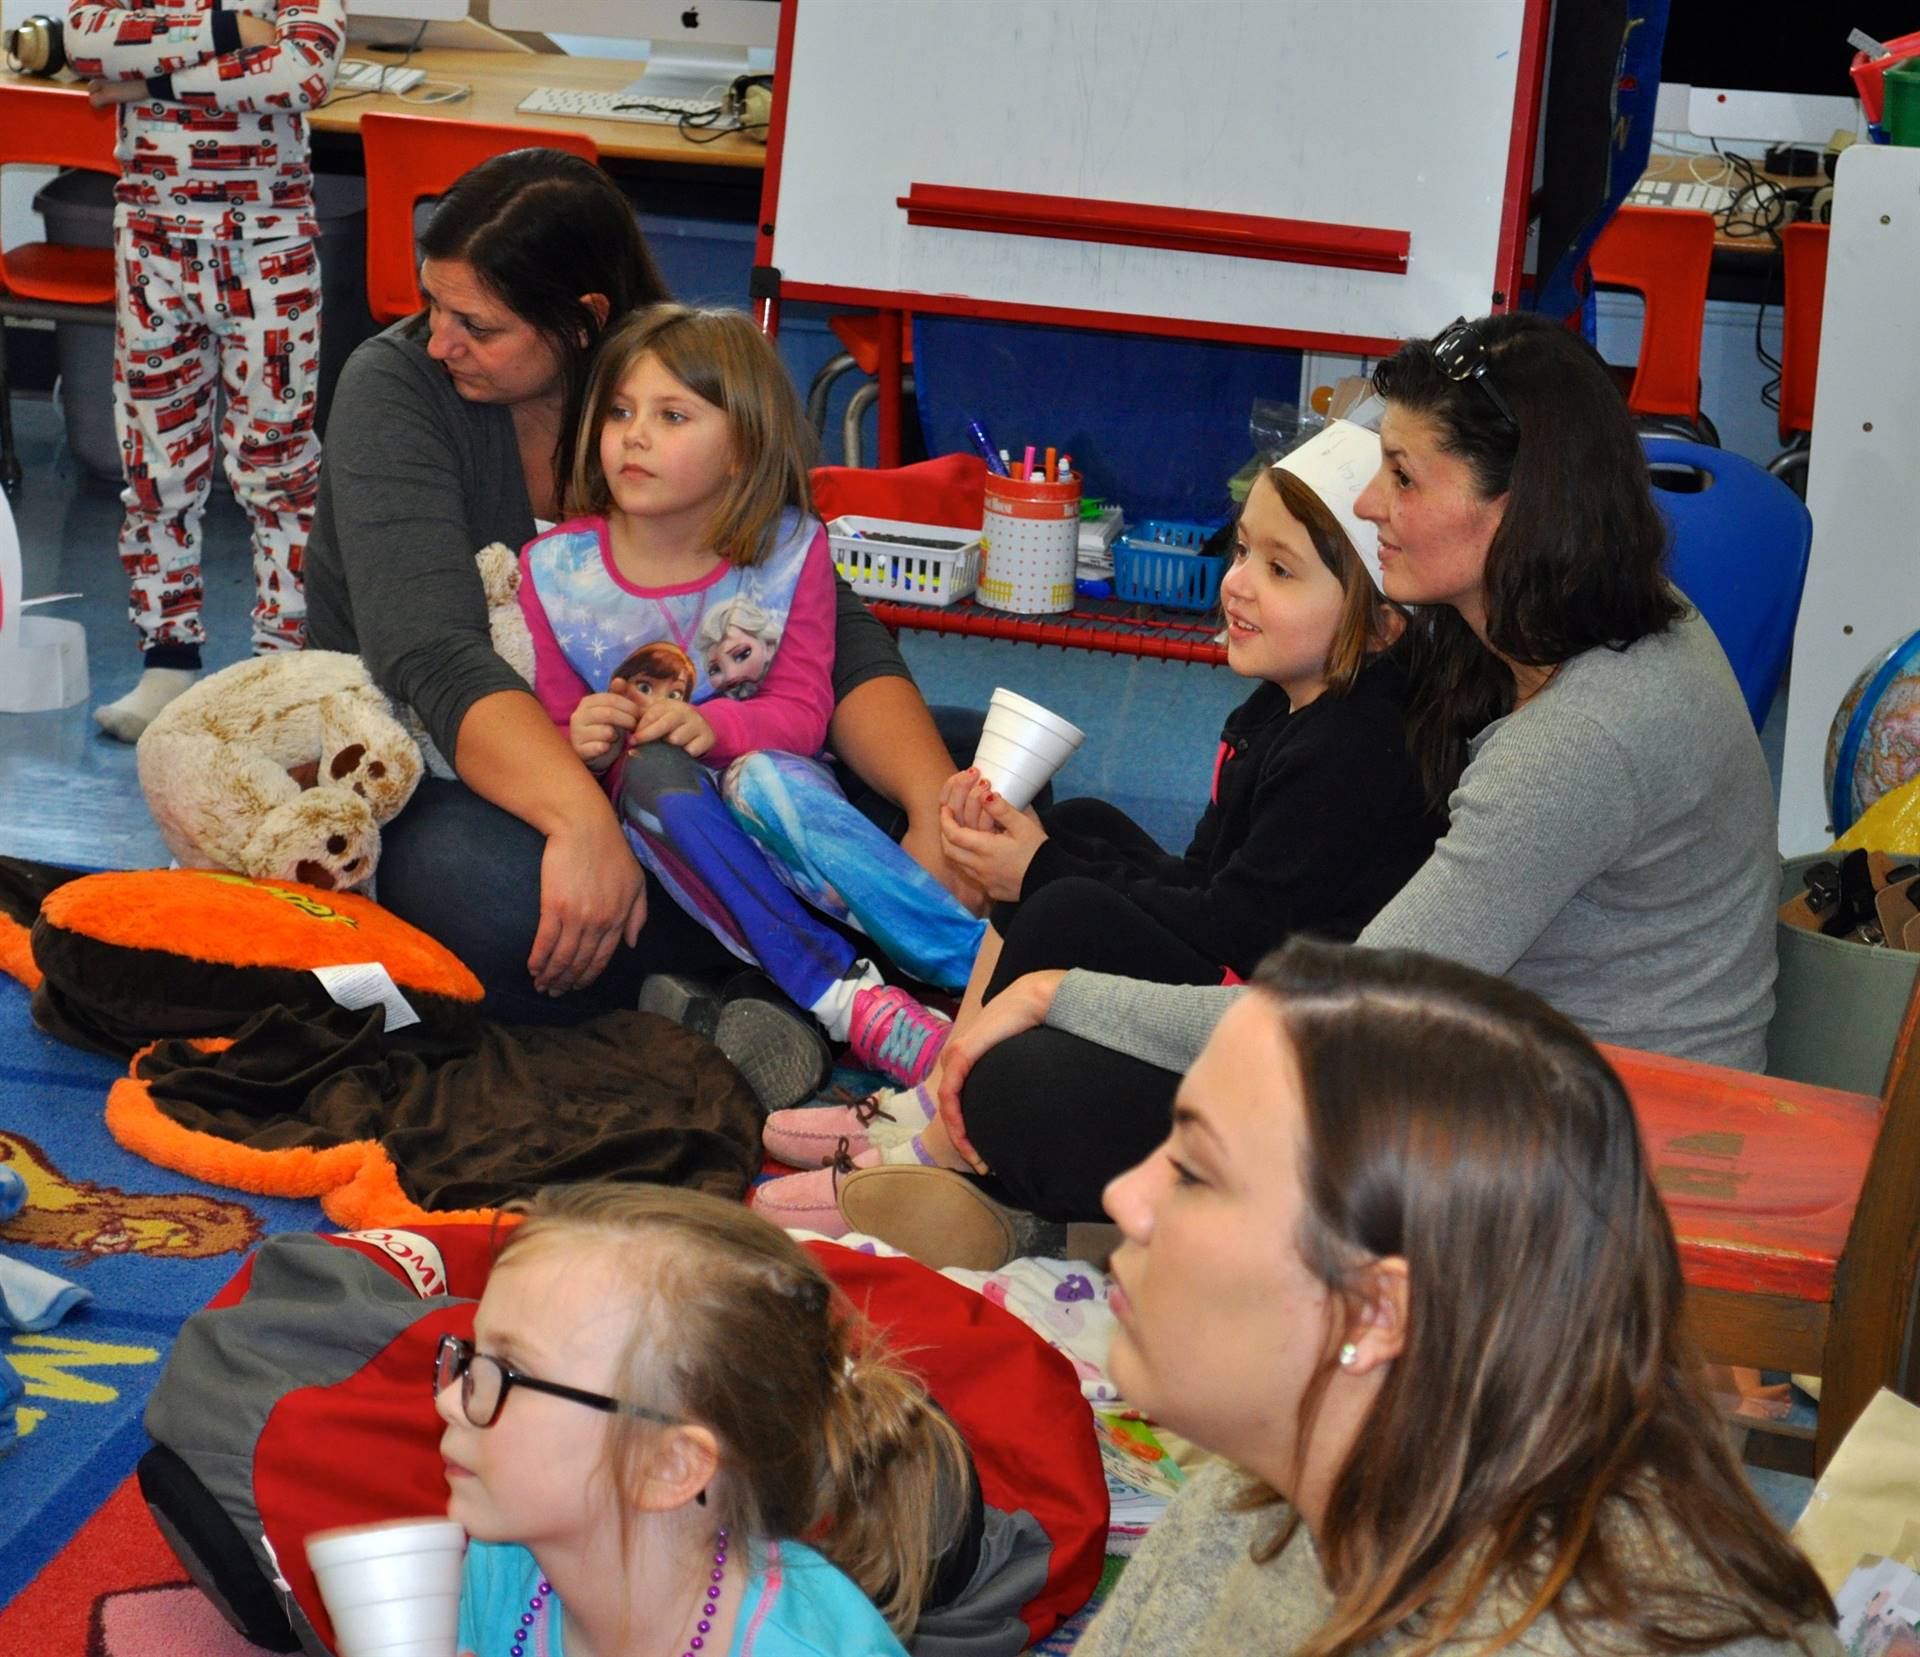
{"x":1769,"y":209}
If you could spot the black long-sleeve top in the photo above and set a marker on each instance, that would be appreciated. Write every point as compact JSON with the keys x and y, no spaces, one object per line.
{"x":1317,"y":819}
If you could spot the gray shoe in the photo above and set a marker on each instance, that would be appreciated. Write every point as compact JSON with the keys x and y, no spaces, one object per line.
{"x":770,"y":1041}
{"x":781,"y":1053}
{"x":684,"y":999}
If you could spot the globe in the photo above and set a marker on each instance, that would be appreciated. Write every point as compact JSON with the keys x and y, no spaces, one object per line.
{"x":1883,"y":738}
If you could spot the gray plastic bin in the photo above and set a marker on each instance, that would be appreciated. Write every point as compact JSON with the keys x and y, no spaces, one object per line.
{"x":1837,"y":1005}
{"x":78,"y":208}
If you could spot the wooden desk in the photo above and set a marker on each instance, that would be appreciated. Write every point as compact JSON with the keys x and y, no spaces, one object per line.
{"x":499,"y":80}
{"x":1739,"y":231}
{"x":1746,"y":260}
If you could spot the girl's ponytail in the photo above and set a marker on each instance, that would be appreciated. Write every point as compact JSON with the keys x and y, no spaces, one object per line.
{"x":895,"y":1481}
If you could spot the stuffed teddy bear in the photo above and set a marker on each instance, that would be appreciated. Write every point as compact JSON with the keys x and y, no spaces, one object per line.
{"x":282,"y":767}
{"x":506,"y":625}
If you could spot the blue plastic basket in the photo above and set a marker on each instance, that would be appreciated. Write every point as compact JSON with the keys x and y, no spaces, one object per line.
{"x":1160,"y":562}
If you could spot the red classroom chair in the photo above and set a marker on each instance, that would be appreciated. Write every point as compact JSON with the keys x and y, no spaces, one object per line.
{"x":1664,"y":254}
{"x":1803,"y":256}
{"x":51,"y":126}
{"x":412,"y":157}
{"x":859,"y":335}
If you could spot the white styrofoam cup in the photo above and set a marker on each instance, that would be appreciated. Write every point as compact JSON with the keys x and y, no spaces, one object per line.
{"x":1021,"y":746}
{"x":391,"y":1589}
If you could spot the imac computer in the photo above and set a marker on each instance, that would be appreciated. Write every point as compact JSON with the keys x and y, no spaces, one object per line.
{"x":401,"y":25}
{"x":397,"y":22}
{"x":694,"y":48}
{"x":1764,"y":73}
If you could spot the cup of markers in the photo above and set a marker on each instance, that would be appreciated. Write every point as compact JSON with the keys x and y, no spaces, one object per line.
{"x":1030,"y":533}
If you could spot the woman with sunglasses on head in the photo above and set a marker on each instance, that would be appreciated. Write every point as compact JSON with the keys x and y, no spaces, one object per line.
{"x":1401,"y":1265}
{"x":1610,"y":838}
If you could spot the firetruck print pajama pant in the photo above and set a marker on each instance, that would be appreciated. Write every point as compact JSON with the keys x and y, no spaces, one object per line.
{"x":191,"y":314}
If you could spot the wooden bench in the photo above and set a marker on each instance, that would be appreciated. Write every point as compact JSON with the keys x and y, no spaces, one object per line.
{"x":1797,"y":1211}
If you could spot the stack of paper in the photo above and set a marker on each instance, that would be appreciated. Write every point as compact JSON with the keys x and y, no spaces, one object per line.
{"x":1096,"y":543}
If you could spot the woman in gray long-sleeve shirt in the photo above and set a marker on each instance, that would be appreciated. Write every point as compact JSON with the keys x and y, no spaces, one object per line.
{"x":1610,"y":840}
{"x":1401,"y":1265}
{"x":450,"y":431}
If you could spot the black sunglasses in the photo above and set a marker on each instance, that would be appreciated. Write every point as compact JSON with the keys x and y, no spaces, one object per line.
{"x":485,"y":1383}
{"x":1461,"y":355}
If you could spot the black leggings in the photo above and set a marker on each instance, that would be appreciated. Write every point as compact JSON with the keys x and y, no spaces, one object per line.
{"x":1054,"y":1116}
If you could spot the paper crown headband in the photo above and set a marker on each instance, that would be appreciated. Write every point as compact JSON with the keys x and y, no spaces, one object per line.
{"x":1336,"y":463}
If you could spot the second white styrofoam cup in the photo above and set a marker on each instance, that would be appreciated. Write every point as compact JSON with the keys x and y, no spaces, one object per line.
{"x":393,"y":1589}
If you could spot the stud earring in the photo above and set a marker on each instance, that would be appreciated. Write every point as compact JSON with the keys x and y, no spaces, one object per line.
{"x":1348,"y":1353}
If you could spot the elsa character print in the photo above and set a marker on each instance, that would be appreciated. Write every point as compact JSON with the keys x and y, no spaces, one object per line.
{"x":736,"y":641}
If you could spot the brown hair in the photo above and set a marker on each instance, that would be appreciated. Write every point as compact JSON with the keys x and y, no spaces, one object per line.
{"x":1364,"y":625}
{"x":822,"y":1436}
{"x":661,"y":663}
{"x":506,"y":217}
{"x":724,"y":359}
{"x":1545,"y":1421}
{"x":1579,"y":558}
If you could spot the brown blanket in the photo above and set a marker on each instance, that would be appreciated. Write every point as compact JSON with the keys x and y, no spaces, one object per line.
{"x":626,"y":1096}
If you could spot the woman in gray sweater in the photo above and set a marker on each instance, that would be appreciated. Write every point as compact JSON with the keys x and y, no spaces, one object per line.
{"x":1610,"y":839}
{"x":452,"y":430}
{"x":1401,"y":1264}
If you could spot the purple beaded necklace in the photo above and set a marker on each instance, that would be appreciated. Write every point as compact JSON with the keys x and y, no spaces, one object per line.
{"x":536,"y":1611}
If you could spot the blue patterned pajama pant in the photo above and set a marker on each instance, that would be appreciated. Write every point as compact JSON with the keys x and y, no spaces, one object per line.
{"x":740,"y":850}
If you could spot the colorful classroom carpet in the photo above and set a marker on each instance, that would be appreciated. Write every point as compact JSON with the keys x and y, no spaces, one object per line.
{"x":116,"y":1590}
{"x":150,"y":1246}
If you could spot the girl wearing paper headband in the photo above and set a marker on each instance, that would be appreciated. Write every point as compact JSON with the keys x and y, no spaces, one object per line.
{"x":1610,"y":833}
{"x":1317,"y":817}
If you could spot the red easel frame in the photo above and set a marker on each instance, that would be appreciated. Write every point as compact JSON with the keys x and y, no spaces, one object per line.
{"x":1242,"y":235}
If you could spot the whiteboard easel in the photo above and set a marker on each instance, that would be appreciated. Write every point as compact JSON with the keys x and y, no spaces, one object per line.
{"x":1329,"y":174}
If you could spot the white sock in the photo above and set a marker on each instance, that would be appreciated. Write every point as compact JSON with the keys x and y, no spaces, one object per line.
{"x":835,"y":1008}
{"x":911,"y":1108}
{"x":133,"y":713}
{"x":908,"y":1152}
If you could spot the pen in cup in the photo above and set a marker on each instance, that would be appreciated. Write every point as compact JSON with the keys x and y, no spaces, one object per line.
{"x":977,"y":436}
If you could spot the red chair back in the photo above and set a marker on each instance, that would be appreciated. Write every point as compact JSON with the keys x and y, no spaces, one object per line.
{"x":412,"y":157}
{"x":1664,"y":254}
{"x":1803,"y":253}
{"x":55,"y":126}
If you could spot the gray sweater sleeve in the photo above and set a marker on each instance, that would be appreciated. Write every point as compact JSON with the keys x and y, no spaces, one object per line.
{"x":1547,"y":803}
{"x":415,"y":483}
{"x":1163,"y":1024}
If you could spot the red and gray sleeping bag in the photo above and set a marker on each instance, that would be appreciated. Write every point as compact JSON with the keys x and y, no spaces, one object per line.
{"x":301,"y":1399}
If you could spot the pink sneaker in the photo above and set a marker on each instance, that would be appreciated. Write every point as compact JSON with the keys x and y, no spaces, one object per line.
{"x":892,"y":1033}
{"x":806,"y":1136}
{"x":809,"y":1201}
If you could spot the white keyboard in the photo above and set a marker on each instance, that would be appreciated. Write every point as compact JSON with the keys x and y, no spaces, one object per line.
{"x":357,"y":75}
{"x":612,"y":106}
{"x":1681,"y":192}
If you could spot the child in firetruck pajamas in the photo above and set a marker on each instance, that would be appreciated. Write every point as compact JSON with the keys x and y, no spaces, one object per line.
{"x":218,"y":281}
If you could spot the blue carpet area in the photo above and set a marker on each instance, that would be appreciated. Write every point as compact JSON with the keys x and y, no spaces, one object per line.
{"x":149,"y":1245}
